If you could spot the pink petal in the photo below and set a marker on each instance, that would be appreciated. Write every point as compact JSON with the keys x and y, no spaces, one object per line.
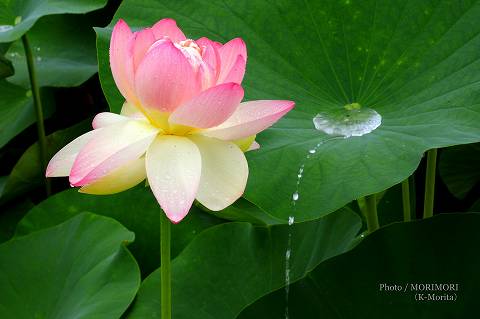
{"x":121,"y":60}
{"x":255,"y":146}
{"x":208,"y":76}
{"x":106,"y":119}
{"x":250,"y":118}
{"x":229,"y":53}
{"x":173,"y":168}
{"x":237,"y":71}
{"x":165,"y":79}
{"x":62,"y":162}
{"x":224,"y":172}
{"x":206,"y":42}
{"x":210,"y":53}
{"x":168,"y":28}
{"x":210,"y":68}
{"x":111,"y":148}
{"x":210,"y":108}
{"x":143,"y":40}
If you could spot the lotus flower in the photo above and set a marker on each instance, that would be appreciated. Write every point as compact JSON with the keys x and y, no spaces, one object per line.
{"x":183,"y":126}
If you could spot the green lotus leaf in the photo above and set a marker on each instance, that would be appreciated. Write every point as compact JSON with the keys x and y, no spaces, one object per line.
{"x":6,"y":67}
{"x":440,"y":250}
{"x":17,"y":111}
{"x":64,"y":52}
{"x":137,"y":209}
{"x":26,"y":175}
{"x":78,"y":269}
{"x":458,"y":168}
{"x":17,"y":17}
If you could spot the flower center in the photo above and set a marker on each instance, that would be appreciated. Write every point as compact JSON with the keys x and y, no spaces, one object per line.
{"x":191,"y":51}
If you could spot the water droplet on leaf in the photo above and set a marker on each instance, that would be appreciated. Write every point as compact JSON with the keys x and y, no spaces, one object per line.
{"x":352,"y":120}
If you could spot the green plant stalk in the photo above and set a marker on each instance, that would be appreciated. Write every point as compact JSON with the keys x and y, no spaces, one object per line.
{"x":37,"y":102}
{"x":371,"y":215}
{"x":165,"y":268}
{"x":430,"y":183}
{"x":407,"y":216}
{"x":413,"y":196}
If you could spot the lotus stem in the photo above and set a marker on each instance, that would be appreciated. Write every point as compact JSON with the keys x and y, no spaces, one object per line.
{"x":430,"y":183}
{"x":165,"y":268}
{"x":371,"y":215}
{"x":37,"y":102}
{"x":407,"y":215}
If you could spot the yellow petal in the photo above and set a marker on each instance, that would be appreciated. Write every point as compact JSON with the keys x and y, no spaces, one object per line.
{"x":123,"y":178}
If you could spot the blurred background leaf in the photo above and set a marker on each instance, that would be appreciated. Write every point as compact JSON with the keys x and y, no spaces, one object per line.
{"x":439,"y":250}
{"x":6,"y":67}
{"x":459,"y":168}
{"x":16,"y":110}
{"x":17,"y":17}
{"x":64,"y":50}
{"x":26,"y":174}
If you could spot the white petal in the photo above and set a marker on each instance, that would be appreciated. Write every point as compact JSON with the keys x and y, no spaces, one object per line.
{"x":130,"y":110}
{"x":62,"y":162}
{"x":113,"y":147}
{"x":224,"y":172}
{"x":173,"y":168}
{"x":106,"y":119}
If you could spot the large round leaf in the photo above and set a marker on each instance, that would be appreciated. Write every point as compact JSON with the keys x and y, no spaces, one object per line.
{"x":64,"y":51}
{"x":137,"y":209}
{"x":417,"y":63}
{"x":79,"y":269}
{"x":17,"y":17}
{"x":440,"y":250}
{"x":229,"y":266}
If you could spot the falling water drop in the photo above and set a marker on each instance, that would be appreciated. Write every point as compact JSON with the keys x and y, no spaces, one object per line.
{"x":351,"y":120}
{"x":288,"y":254}
{"x":291,"y":220}
{"x":39,"y":59}
{"x":295,"y":196}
